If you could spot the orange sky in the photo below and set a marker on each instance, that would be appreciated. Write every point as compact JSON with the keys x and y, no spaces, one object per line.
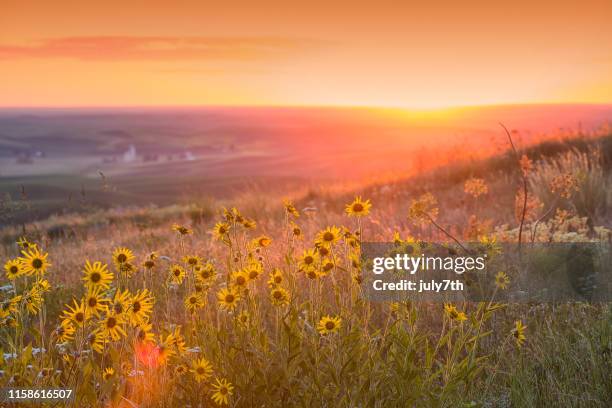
{"x":278,"y":53}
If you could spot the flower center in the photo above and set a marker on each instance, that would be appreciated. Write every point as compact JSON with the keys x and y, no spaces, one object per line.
{"x":95,"y":277}
{"x":330,"y":325}
{"x":37,"y":263}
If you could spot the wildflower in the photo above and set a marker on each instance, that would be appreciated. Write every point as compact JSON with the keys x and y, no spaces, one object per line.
{"x":94,"y":302}
{"x":262,"y":241}
{"x":64,"y":332}
{"x":296,"y":231}
{"x":243,"y":319}
{"x":220,"y":230}
{"x":97,"y":275}
{"x":181,"y":230}
{"x":308,"y":259}
{"x":42,"y":285}
{"x":222,"y":391}
{"x":13,"y":269}
{"x":290,"y":208}
{"x":33,"y":301}
{"x":453,"y":313}
{"x":397,"y":240}
{"x":109,"y":372}
{"x":25,"y":244}
{"x":276,"y":278}
{"x":239,"y":279}
{"x":193,"y":302}
{"x":10,"y":306}
{"x":328,"y":236}
{"x":180,"y":369}
{"x":249,"y":224}
{"x":519,"y":333}
{"x":502,"y":280}
{"x":201,"y":369}
{"x":144,"y":333}
{"x":312,"y":273}
{"x":329,"y":325}
{"x":327,"y":265}
{"x":120,"y":302}
{"x":97,"y":341}
{"x":192,"y":260}
{"x":358,"y":208}
{"x":34,"y":262}
{"x":423,"y":208}
{"x":279,"y":296}
{"x":177,"y":274}
{"x":205,"y":273}
{"x":110,"y":326}
{"x":254,"y":270}
{"x":76,"y":314}
{"x":140,"y":306}
{"x":121,"y":257}
{"x":176,"y":340}
{"x":228,"y":299}
{"x":532,"y":207}
{"x":165,"y":350}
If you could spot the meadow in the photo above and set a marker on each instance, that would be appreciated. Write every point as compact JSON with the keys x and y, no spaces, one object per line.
{"x":256,"y":299}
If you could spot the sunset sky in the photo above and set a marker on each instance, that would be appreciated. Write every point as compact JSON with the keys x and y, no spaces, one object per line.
{"x":383,"y":53}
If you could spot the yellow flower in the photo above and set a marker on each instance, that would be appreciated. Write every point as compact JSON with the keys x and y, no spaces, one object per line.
{"x":328,"y":325}
{"x":276,"y":278}
{"x":254,"y":270}
{"x":97,"y":275}
{"x":220,"y":230}
{"x":192,"y":260}
{"x":140,"y":307}
{"x":111,"y":326}
{"x":193,"y":302}
{"x":328,"y":236}
{"x":290,"y":208}
{"x":296,"y":231}
{"x":222,"y":391}
{"x":122,"y":256}
{"x":249,"y":224}
{"x":109,"y":372}
{"x":397,"y":240}
{"x":10,"y":306}
{"x":205,"y":273}
{"x":33,"y":301}
{"x":201,"y":369}
{"x":13,"y":269}
{"x":453,"y":313}
{"x":120,"y":302}
{"x":177,"y":274}
{"x":358,"y":208}
{"x":144,"y":333}
{"x":519,"y":333}
{"x":181,"y":230}
{"x":25,"y":244}
{"x":97,"y":340}
{"x":309,"y":259}
{"x":244,"y":319}
{"x":95,"y":303}
{"x":76,"y":314}
{"x":327,"y":265}
{"x":239,"y":279}
{"x":34,"y":262}
{"x":312,"y":273}
{"x":228,"y":299}
{"x":261,"y":242}
{"x":64,"y":332}
{"x":180,"y":369}
{"x":502,"y":280}
{"x":279,"y":296}
{"x":42,"y":285}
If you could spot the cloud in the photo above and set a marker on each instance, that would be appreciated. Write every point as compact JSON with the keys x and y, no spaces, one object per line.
{"x":158,"y":48}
